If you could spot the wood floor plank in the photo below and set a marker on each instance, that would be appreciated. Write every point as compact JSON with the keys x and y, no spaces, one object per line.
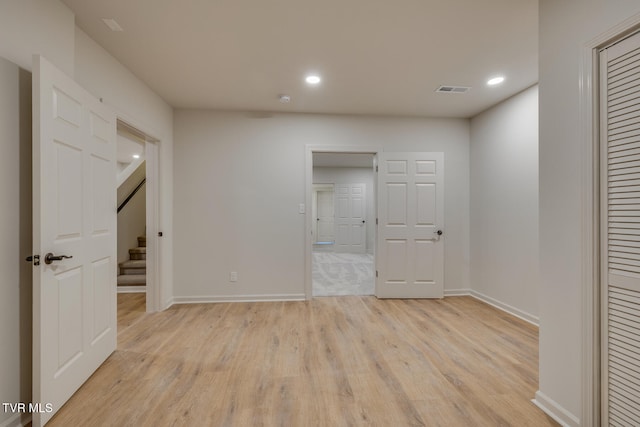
{"x":332,"y":361}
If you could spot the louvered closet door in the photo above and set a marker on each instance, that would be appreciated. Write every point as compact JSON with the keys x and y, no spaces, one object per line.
{"x":620,"y":114}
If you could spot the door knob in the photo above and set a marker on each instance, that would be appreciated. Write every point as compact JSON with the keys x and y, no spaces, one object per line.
{"x":363,"y":221}
{"x":49,"y":258}
{"x":439,"y":232}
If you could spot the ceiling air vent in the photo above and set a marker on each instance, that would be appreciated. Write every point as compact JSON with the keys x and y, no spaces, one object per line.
{"x":453,"y":89}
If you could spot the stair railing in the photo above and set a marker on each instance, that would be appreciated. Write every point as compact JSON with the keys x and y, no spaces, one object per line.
{"x":130,"y":196}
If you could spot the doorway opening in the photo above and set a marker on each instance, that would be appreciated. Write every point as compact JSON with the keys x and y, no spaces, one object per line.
{"x":132,"y":224}
{"x":342,"y":244}
{"x":137,"y":214}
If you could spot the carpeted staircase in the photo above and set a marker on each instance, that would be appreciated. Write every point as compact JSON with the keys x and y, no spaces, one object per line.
{"x":134,"y":271}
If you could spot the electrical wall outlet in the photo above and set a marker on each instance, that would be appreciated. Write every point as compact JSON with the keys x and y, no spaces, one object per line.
{"x":233,"y":276}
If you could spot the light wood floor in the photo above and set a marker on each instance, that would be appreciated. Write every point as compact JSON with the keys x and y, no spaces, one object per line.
{"x":336,"y":361}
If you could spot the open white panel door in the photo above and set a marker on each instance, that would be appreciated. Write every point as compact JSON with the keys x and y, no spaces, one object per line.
{"x":74,"y":208}
{"x":410,"y":250}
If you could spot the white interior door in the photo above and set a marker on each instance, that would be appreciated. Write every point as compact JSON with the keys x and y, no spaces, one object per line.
{"x":410,"y":251}
{"x":620,"y":232}
{"x":350,"y":214}
{"x":325,"y":216}
{"x":74,"y":191}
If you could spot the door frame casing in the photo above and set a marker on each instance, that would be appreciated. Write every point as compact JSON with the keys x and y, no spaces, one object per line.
{"x":308,"y":227}
{"x":589,"y":126}
{"x":154,"y":296}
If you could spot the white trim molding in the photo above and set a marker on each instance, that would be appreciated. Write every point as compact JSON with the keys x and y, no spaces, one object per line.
{"x":530,"y":318}
{"x":457,"y":292}
{"x":527,"y":317}
{"x":238,"y":298}
{"x":157,"y":285}
{"x":308,"y":159}
{"x":132,"y":289}
{"x":555,"y":411}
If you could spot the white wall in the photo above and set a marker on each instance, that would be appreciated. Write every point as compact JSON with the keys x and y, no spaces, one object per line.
{"x":98,"y":72}
{"x":15,"y":244}
{"x":239,"y":179}
{"x":565,"y":29}
{"x":43,"y":27}
{"x":26,"y":27}
{"x":327,"y":175}
{"x":47,"y":27}
{"x":504,"y":204}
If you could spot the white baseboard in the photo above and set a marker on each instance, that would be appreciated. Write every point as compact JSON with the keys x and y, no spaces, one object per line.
{"x":555,"y":411}
{"x":534,"y":320}
{"x":132,"y":289}
{"x":457,"y":292}
{"x":238,"y":298}
{"x":16,"y":420}
{"x":301,"y":297}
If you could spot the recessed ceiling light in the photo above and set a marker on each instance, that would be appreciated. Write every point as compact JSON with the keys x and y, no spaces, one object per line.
{"x":313,"y":79}
{"x":495,"y":81}
{"x":136,"y":156}
{"x":112,"y":24}
{"x":285,"y":99}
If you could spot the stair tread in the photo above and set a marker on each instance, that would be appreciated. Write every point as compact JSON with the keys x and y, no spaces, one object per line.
{"x":132,"y":271}
{"x":138,"y":250}
{"x":134,"y":263}
{"x":132,"y":279}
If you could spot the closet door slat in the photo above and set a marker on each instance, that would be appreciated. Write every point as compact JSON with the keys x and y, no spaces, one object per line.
{"x":620,"y":122}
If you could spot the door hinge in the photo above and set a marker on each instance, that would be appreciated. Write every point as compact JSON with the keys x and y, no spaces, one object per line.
{"x":376,"y":168}
{"x":376,"y":273}
{"x":376,"y":221}
{"x":33,"y":258}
